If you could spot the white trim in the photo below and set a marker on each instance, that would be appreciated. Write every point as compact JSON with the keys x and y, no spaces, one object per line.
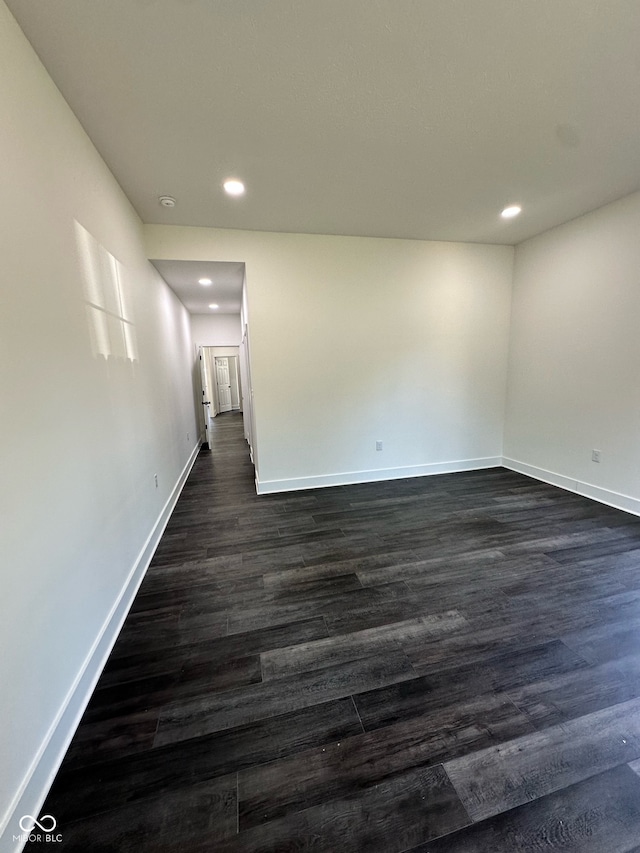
{"x":37,"y":781}
{"x":321,"y":481}
{"x":587,"y":490}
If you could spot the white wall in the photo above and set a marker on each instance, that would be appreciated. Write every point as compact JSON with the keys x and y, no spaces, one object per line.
{"x":82,"y":435}
{"x":355,"y":340}
{"x":216,"y":330}
{"x":574,"y":377}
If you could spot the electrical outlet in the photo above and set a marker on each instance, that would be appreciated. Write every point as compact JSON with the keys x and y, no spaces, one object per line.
{"x":155,"y":480}
{"x":378,"y":445}
{"x":595,"y":455}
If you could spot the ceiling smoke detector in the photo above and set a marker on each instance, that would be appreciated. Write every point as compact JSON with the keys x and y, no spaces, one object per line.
{"x":167,"y":201}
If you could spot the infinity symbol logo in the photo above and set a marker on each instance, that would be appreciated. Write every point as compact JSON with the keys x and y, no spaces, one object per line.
{"x":42,"y":824}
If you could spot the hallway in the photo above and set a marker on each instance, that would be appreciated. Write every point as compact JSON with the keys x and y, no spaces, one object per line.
{"x":369,"y":668}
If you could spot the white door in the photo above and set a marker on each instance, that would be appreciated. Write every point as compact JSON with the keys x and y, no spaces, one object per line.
{"x":206,"y":400}
{"x":224,"y":384}
{"x":247,"y":394}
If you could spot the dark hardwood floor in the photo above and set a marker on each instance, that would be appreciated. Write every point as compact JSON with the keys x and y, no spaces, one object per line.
{"x":446,"y":664}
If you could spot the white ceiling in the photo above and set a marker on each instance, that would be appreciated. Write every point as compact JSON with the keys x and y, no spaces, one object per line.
{"x":394,"y":118}
{"x":225,"y":291}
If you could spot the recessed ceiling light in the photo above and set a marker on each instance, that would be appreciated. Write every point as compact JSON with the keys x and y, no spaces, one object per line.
{"x":511,"y":211}
{"x":214,"y":306}
{"x":205,"y":281}
{"x":233,"y":187}
{"x":167,"y":201}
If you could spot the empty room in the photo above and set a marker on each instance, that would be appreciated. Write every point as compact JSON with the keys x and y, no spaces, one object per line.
{"x":320,"y":392}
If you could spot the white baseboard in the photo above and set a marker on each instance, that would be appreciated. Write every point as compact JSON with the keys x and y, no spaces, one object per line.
{"x":267,"y":487}
{"x":596,"y":493}
{"x":39,"y":778}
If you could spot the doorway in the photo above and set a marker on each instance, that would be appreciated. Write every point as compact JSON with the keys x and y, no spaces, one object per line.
{"x":227,"y":383}
{"x":221,"y":379}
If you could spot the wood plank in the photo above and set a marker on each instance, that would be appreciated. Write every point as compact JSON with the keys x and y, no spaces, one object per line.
{"x":175,"y":820}
{"x":444,"y":687}
{"x":599,"y":815}
{"x":390,"y":817}
{"x":328,"y":603}
{"x":79,"y":792}
{"x":567,"y":695}
{"x":606,"y":641}
{"x":591,"y":551}
{"x":490,"y":565}
{"x":183,"y":591}
{"x":180,"y":720}
{"x":115,"y":736}
{"x":351,"y":764}
{"x":197,"y":676}
{"x":379,"y":640}
{"x":500,"y":778}
{"x":288,"y":577}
